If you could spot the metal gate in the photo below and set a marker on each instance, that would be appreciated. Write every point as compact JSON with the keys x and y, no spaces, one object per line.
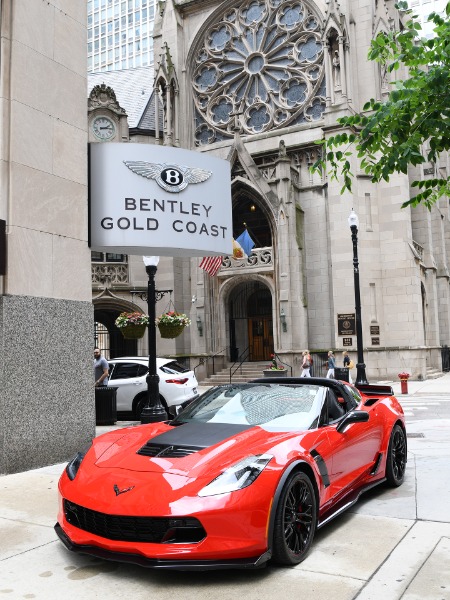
{"x":445,"y":354}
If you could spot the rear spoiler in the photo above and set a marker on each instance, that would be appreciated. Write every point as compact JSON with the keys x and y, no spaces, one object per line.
{"x":375,"y":390}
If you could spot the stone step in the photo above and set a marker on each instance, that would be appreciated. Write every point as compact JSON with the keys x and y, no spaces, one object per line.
{"x":433,"y":373}
{"x":246,"y":372}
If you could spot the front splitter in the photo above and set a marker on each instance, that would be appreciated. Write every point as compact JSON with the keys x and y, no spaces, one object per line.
{"x":165,"y":564}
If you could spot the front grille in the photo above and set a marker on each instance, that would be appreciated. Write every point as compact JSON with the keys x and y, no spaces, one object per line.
{"x":166,"y":450}
{"x":157,"y":530}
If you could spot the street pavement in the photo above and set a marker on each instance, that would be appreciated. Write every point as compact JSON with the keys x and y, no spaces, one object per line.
{"x":394,"y":543}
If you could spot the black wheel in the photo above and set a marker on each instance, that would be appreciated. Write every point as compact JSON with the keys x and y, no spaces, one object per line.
{"x":295,"y":520}
{"x":396,"y":457}
{"x":141,"y":401}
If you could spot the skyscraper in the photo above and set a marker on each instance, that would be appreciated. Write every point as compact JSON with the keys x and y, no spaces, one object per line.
{"x":423,"y":8}
{"x":119,"y":34}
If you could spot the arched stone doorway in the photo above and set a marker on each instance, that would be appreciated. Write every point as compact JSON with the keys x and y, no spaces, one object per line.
{"x":250,"y":213}
{"x":114,"y":344}
{"x":107,"y":308}
{"x":250,"y":322}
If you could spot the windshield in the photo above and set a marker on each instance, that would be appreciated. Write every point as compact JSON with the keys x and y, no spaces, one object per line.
{"x":272,"y":406}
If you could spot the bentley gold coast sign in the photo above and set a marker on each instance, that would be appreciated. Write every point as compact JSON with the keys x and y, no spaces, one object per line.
{"x":146,"y":199}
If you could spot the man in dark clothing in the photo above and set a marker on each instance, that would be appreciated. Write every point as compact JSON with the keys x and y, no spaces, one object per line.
{"x":101,"y":369}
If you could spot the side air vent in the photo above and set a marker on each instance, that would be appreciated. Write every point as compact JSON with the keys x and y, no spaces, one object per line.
{"x":371,"y":401}
{"x":376,"y":466}
{"x":165,"y":450}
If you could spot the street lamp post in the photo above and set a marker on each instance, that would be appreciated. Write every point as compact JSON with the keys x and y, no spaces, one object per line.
{"x":361,"y":378}
{"x":153,"y":411}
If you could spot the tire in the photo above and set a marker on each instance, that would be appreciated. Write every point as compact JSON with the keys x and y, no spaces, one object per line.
{"x":295,"y":520}
{"x":141,"y":401}
{"x":396,"y":457}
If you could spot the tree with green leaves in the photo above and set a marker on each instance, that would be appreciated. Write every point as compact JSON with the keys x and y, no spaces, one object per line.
{"x":388,"y":137}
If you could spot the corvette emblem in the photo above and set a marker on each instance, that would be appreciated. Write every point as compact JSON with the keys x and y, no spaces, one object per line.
{"x":172,"y":178}
{"x":119,"y":491}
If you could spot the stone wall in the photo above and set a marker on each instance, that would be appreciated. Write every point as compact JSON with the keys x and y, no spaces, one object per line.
{"x":46,"y":381}
{"x":46,"y":326}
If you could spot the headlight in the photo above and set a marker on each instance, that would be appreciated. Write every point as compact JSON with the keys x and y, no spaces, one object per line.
{"x":237,"y":477}
{"x":74,"y":464}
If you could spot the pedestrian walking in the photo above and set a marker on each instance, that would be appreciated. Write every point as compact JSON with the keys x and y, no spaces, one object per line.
{"x":101,"y":369}
{"x":306,"y":364}
{"x":349,"y":364}
{"x":331,"y":365}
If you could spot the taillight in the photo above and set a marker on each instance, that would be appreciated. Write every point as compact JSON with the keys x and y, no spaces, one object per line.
{"x":179,"y":381}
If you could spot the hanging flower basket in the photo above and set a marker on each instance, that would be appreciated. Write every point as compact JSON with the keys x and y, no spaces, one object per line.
{"x":170,"y":331}
{"x":172,"y":324}
{"x":132,"y":325}
{"x":133,"y":332}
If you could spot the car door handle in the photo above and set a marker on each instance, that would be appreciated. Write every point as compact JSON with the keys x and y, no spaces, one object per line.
{"x":138,"y":383}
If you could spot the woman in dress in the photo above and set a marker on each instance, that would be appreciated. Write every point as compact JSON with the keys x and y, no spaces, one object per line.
{"x":306,"y":364}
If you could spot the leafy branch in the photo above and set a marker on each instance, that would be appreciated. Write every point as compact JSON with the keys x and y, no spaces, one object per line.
{"x":389,"y":137}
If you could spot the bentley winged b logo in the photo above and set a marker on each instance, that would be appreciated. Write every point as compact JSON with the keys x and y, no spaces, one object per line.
{"x":119,"y":491}
{"x":172,"y":178}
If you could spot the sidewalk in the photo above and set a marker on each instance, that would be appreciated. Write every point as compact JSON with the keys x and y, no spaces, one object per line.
{"x":430,"y":387}
{"x":394,"y":543}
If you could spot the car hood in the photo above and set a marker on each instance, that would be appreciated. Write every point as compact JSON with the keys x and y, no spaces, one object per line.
{"x":193,"y":449}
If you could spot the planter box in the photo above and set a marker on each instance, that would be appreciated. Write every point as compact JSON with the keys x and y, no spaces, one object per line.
{"x":273,"y":373}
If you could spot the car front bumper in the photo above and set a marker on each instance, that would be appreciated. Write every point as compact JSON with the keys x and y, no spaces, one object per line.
{"x":159,"y":563}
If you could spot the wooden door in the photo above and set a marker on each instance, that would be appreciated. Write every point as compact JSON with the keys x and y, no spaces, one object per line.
{"x":260,"y":337}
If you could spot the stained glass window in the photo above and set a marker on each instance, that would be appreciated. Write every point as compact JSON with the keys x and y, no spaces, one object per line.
{"x":263,"y":60}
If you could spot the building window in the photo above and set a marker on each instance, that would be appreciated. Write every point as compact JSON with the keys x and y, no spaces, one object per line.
{"x":108,"y":257}
{"x":274,"y":71}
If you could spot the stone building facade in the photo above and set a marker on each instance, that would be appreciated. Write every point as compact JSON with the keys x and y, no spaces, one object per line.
{"x":259,"y":83}
{"x":46,"y":316}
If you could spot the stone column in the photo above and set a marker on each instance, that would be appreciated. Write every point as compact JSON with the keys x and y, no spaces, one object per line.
{"x":328,"y":76}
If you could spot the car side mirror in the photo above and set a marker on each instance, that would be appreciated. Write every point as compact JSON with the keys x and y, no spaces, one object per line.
{"x":356,"y":416}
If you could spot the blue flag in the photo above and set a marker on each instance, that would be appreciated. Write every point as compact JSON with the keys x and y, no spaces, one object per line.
{"x":245,"y":242}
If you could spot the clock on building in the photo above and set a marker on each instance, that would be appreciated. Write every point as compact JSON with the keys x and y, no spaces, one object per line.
{"x":103,"y":128}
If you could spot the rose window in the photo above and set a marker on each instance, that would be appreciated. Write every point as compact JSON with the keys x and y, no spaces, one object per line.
{"x":262,"y":63}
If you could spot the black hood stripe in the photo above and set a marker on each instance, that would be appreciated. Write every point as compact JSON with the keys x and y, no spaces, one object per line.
{"x":196,"y":436}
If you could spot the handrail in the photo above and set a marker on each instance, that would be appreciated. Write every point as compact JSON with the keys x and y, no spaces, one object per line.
{"x":282,"y":362}
{"x":206,"y":359}
{"x":243,"y":356}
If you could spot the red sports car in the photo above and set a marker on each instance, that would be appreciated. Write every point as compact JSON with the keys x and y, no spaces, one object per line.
{"x":243,"y":475}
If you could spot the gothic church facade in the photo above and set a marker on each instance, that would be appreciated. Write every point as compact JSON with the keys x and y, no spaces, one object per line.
{"x":259,"y":83}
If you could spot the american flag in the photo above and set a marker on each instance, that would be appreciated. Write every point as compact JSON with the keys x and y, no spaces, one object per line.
{"x":211,"y":264}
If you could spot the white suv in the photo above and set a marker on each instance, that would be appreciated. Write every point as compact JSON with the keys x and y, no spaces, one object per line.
{"x":177,"y":385}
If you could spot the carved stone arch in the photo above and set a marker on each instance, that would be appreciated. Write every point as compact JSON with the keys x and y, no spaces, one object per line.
{"x":107,"y":308}
{"x":337,"y":60}
{"x":227,"y":286}
{"x":381,"y":24}
{"x":244,"y":197}
{"x":256,"y":193}
{"x":251,"y":172}
{"x":115,"y":304}
{"x":244,"y":329}
{"x":381,"y":19}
